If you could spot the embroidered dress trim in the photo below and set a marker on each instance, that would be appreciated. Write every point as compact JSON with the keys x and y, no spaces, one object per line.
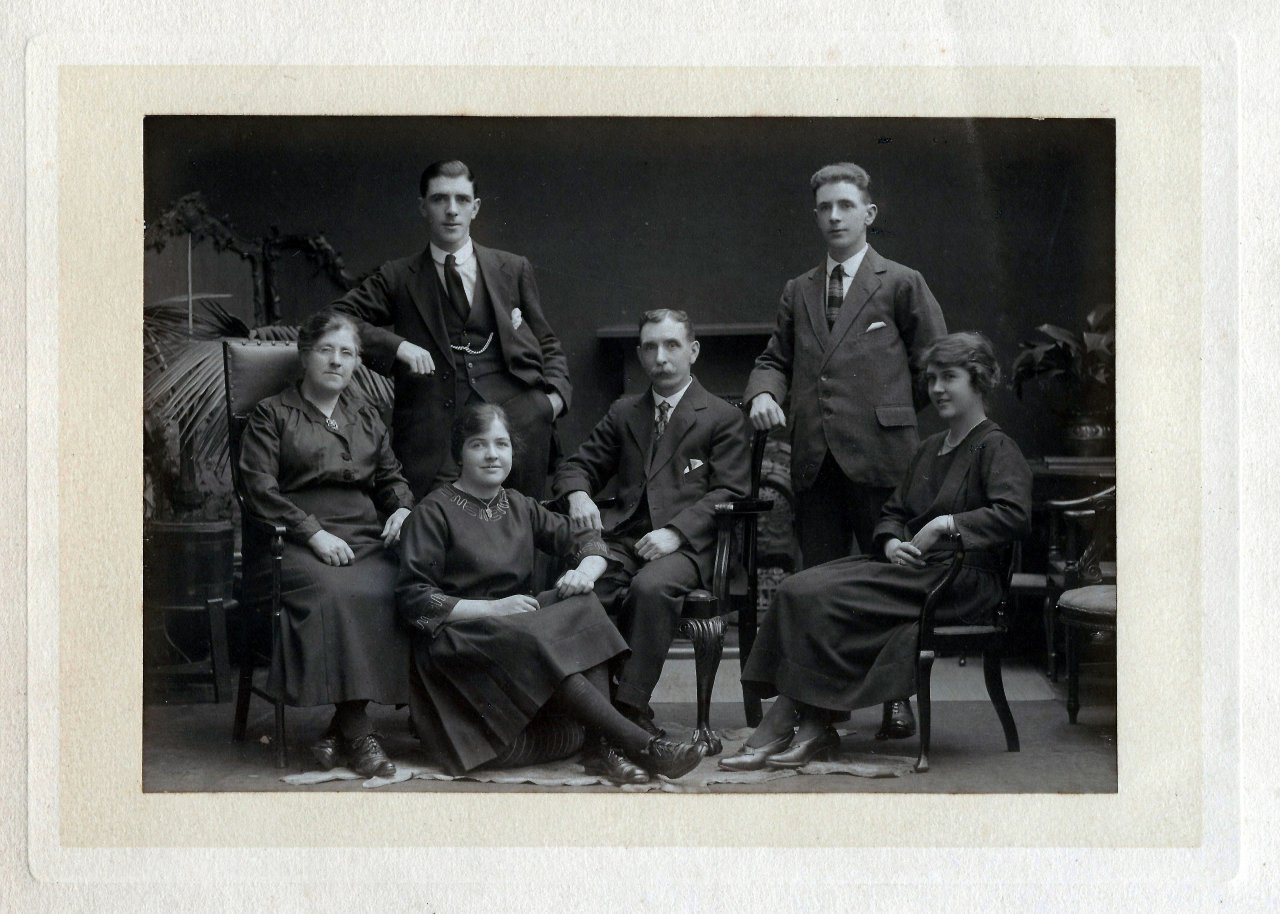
{"x":478,"y":508}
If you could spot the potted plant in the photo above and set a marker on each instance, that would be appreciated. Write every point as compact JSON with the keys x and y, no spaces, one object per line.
{"x":1077,"y":371}
{"x":188,"y":503}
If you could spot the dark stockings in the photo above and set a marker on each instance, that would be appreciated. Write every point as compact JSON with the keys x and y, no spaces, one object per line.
{"x":585,"y":697}
{"x":351,"y":721}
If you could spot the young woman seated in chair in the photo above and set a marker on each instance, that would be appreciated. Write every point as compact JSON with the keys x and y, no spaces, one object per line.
{"x":316,"y":459}
{"x":842,"y":636}
{"x":495,"y":668}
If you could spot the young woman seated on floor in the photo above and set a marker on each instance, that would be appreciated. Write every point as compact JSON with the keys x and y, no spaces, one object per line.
{"x":842,"y":636}
{"x":493,"y":666}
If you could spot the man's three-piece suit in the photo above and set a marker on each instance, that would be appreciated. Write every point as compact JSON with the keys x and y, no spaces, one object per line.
{"x":522,"y":363}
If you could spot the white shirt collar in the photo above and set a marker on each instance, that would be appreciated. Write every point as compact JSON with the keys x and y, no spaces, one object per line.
{"x":462,"y":255}
{"x":673,"y":399}
{"x":850,"y":266}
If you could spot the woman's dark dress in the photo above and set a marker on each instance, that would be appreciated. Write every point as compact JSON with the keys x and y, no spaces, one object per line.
{"x":842,"y":635}
{"x":478,"y":682}
{"x":341,"y":640}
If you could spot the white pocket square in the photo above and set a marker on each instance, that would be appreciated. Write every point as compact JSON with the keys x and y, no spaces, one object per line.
{"x":693,"y":465}
{"x":876,"y":326}
{"x":516,"y":319}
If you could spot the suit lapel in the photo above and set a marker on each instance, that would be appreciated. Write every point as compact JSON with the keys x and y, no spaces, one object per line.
{"x":814,"y":292}
{"x":678,"y":425}
{"x":865,"y":282}
{"x":425,"y":292}
{"x":500,"y":283}
{"x":640,"y":423}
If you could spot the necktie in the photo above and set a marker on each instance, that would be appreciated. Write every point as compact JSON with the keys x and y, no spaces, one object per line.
{"x":835,"y":295}
{"x":664,"y":410}
{"x":453,"y":283}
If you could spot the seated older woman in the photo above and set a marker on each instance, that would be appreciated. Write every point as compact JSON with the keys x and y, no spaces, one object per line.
{"x":492,"y":663}
{"x":317,"y":460}
{"x":842,"y":636}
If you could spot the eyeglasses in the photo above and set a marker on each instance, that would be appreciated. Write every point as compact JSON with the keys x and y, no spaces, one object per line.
{"x":328,"y":351}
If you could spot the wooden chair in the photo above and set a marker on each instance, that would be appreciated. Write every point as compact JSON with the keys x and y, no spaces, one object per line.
{"x":1088,"y":602}
{"x":987,"y":640}
{"x":1067,"y":518}
{"x":256,"y":369}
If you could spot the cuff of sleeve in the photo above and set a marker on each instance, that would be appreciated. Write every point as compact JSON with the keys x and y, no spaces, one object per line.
{"x":308,"y":528}
{"x":590,"y":547}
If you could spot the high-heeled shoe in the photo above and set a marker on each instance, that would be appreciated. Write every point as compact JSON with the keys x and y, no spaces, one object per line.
{"x":753,"y":758}
{"x":805,"y":751}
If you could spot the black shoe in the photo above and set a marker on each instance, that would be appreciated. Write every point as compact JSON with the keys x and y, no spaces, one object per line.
{"x":328,"y":749}
{"x":609,"y":763}
{"x":669,"y":759}
{"x":806,"y":750}
{"x":327,"y":752}
{"x":899,"y":721}
{"x":753,"y":758}
{"x":644,"y":722}
{"x":366,"y":757}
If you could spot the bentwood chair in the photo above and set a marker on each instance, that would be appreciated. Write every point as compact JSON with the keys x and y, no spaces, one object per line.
{"x":987,"y":640}
{"x":1087,"y":604}
{"x":1068,"y":520}
{"x":255,"y":369}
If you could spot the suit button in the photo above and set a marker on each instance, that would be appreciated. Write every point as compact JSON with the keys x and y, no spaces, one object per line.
{"x":824,"y":377}
{"x":348,"y":475}
{"x":448,"y":404}
{"x":346,"y":456}
{"x":445,"y":376}
{"x":471,"y":365}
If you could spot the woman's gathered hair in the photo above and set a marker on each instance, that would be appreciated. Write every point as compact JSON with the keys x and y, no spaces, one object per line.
{"x":475,"y":420}
{"x":969,"y":350}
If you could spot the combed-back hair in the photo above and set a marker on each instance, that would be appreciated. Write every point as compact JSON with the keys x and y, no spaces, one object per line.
{"x":658,"y":315}
{"x":449,"y":168}
{"x":322,"y":322}
{"x":842,"y":171}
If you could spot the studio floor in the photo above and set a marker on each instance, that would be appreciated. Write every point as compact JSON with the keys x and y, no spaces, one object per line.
{"x":187,"y":744}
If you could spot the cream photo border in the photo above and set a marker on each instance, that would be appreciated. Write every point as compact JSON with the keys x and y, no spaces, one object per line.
{"x":90,"y":819}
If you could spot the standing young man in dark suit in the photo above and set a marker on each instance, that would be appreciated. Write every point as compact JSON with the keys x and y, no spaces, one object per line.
{"x":455,"y":323}
{"x":846,"y":346}
{"x":675,"y":450}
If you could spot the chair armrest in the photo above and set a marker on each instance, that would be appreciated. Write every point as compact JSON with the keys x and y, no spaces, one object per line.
{"x":275,"y":545}
{"x":1105,"y":497}
{"x":740,"y":507}
{"x":935,"y":597}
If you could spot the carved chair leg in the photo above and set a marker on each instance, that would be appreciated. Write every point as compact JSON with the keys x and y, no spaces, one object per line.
{"x":924,"y":671}
{"x":995,"y":688}
{"x":707,"y":636}
{"x":1073,"y":672}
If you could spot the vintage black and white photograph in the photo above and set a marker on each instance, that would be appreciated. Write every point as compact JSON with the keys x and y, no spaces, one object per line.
{"x":600,"y":454}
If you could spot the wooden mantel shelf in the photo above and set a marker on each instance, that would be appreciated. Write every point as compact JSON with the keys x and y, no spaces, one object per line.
{"x":736,"y":328}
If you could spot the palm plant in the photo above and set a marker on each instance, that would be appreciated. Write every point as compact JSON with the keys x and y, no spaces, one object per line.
{"x":184,"y":401}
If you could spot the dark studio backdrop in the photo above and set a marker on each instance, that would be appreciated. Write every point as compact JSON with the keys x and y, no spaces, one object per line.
{"x":1012,"y":222}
